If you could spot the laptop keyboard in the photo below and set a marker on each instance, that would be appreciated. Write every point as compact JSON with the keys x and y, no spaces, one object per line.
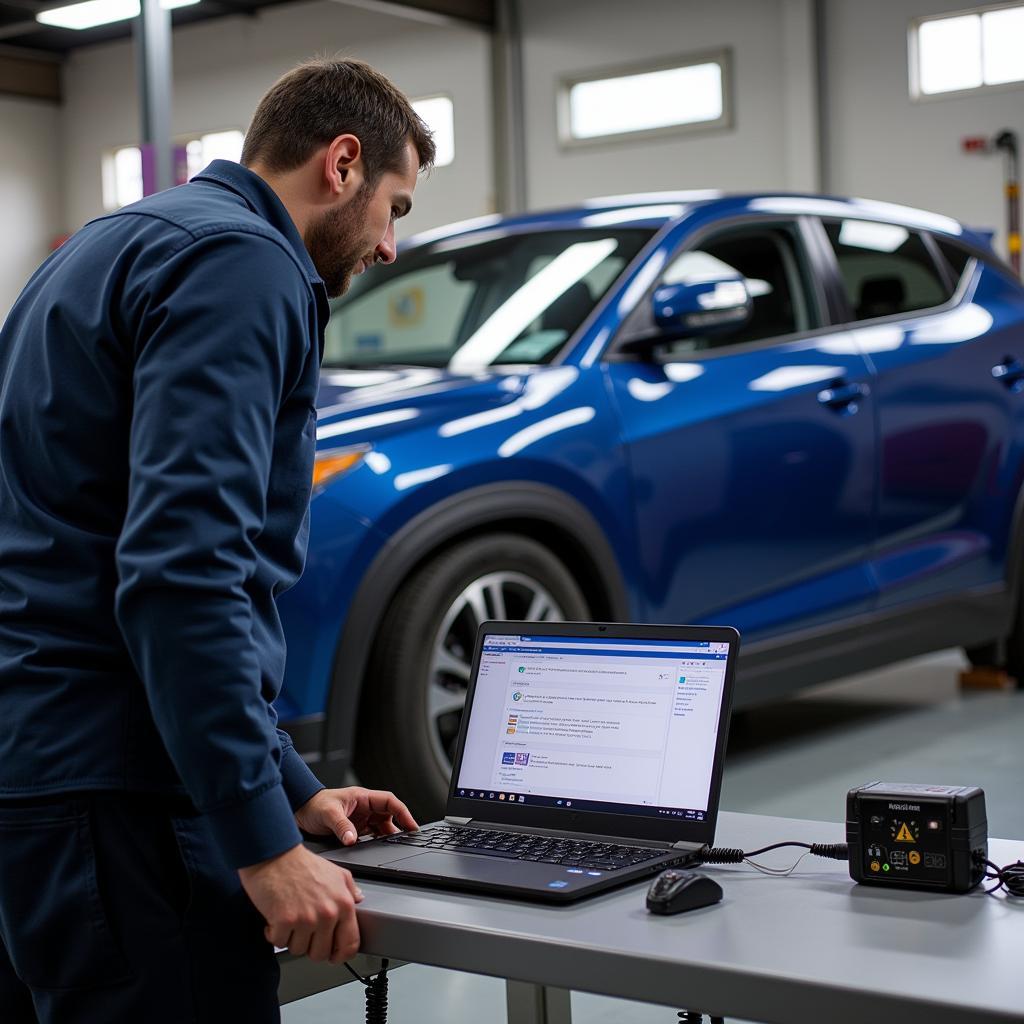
{"x":573,"y":853}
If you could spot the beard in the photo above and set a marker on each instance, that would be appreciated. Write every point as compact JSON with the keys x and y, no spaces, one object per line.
{"x":335,"y":244}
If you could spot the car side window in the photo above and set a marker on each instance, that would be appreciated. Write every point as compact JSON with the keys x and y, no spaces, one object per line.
{"x":771,"y":260}
{"x":886,"y":269}
{"x":956,"y":257}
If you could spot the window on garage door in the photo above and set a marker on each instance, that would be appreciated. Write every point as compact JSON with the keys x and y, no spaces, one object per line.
{"x":886,"y":269}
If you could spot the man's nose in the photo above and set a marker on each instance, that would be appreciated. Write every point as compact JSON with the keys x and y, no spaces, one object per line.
{"x":386,"y":250}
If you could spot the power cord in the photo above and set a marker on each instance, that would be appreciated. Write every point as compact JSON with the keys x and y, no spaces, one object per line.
{"x":1010,"y":878}
{"x":376,"y":994}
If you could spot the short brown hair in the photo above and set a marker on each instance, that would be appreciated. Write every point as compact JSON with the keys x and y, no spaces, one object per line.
{"x":321,"y":99}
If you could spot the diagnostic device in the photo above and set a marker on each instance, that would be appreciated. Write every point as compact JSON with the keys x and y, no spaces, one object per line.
{"x":907,"y":835}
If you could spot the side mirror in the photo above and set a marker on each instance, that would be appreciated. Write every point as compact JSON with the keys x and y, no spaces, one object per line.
{"x":704,"y":307}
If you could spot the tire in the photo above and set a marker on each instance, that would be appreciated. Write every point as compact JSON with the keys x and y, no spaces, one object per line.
{"x":1007,"y":654}
{"x":415,"y":686}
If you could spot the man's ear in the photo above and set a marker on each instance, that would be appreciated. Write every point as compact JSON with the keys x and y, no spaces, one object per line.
{"x":343,"y":165}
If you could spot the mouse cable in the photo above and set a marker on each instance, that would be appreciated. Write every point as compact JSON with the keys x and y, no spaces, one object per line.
{"x":376,"y":993}
{"x":1010,"y":878}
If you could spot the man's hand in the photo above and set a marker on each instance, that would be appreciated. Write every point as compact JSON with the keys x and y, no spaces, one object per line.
{"x":353,"y":811}
{"x":308,"y":904}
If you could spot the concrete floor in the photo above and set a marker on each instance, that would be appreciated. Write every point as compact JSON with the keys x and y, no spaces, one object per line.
{"x":797,"y":759}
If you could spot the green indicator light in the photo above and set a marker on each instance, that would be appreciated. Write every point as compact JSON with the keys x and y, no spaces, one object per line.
{"x":885,"y":867}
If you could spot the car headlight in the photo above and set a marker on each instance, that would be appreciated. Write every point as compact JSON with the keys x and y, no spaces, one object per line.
{"x":332,"y":463}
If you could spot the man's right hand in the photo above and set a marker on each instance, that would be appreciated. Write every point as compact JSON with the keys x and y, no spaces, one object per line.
{"x":308,"y":904}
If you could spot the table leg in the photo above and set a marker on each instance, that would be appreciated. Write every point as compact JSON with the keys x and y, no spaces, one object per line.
{"x":536,"y":1004}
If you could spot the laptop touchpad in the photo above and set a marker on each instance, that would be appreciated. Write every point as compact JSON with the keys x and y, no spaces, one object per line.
{"x":372,"y":854}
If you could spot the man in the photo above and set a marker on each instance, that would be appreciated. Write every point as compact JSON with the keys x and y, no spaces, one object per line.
{"x":157,"y":385}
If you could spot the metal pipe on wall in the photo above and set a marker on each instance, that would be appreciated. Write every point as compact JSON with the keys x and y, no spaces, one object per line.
{"x":509,"y":110}
{"x":152,"y":32}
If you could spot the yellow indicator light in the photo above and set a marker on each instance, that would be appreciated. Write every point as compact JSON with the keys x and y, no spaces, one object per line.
{"x":328,"y":465}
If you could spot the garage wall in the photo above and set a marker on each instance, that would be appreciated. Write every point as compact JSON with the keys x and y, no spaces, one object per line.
{"x":30,"y":190}
{"x":772,"y":144}
{"x":221,"y":69}
{"x":884,"y":145}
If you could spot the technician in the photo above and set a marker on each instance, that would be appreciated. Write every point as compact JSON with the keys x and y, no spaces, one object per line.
{"x":158,"y":378}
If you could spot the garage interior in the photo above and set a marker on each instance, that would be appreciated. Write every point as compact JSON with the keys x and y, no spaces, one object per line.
{"x":819,"y":96}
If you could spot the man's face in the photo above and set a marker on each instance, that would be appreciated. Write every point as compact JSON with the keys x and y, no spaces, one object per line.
{"x":353,"y":236}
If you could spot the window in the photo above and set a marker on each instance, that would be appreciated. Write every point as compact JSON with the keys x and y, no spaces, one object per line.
{"x":886,"y":269}
{"x":126,"y":177}
{"x":957,"y":258}
{"x":680,"y":96}
{"x":770,"y":259}
{"x":967,"y":51}
{"x":213,"y":146}
{"x":122,"y":177}
{"x":471,"y":302}
{"x":439,"y":114}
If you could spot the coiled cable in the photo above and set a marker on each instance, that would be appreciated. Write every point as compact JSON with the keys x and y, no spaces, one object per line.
{"x":376,"y":993}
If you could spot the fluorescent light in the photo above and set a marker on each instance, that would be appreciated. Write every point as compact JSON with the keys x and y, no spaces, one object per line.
{"x":100,"y":12}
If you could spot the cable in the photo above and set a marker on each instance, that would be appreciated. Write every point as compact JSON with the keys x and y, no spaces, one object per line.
{"x":731,"y":855}
{"x":376,"y":993}
{"x":1010,"y":878}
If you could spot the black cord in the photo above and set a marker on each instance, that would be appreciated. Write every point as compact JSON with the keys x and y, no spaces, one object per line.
{"x":1010,"y":878}
{"x":376,"y":993}
{"x":731,"y":855}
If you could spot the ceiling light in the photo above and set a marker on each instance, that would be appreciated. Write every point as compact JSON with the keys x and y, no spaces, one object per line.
{"x":100,"y":12}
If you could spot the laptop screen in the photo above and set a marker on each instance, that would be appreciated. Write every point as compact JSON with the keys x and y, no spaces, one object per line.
{"x":595,"y":724}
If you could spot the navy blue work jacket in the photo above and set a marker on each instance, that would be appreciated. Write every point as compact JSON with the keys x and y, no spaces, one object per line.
{"x":158,"y":378}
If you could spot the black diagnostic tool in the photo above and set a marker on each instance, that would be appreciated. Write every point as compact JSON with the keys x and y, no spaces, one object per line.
{"x":674,"y":891}
{"x":917,"y":836}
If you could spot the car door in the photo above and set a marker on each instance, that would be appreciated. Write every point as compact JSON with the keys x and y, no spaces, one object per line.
{"x":751,"y":452}
{"x":948,"y":400}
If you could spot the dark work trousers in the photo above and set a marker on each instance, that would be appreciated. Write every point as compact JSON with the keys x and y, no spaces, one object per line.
{"x":118,"y":908}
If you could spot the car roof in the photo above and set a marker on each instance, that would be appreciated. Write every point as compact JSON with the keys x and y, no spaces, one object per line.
{"x":654,"y":209}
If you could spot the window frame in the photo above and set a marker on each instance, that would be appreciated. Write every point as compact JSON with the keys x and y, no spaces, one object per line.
{"x":563,"y":119}
{"x":914,"y":56}
{"x":818,"y":294}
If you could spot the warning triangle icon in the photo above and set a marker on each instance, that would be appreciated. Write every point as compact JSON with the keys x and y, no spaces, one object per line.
{"x":905,"y":835}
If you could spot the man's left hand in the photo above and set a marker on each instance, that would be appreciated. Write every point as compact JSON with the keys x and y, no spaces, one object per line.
{"x":354,"y":811}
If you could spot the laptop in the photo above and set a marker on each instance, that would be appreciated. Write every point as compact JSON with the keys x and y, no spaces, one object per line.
{"x":590,"y":755}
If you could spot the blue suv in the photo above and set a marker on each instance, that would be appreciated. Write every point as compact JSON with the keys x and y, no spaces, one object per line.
{"x":800,"y":416}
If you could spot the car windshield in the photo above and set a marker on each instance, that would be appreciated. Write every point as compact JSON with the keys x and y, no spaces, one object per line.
{"x":469,"y":302}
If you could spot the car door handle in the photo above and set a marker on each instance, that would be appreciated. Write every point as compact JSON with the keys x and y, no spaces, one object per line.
{"x":843,"y":398}
{"x":1009,"y":372}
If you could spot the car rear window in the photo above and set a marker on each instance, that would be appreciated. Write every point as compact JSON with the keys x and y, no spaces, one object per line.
{"x":956,"y":257}
{"x":886,"y":269}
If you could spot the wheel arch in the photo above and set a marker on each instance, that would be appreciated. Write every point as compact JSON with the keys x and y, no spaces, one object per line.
{"x":537,"y":511}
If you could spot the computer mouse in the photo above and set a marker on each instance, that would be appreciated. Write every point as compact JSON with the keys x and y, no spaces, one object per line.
{"x":674,"y":891}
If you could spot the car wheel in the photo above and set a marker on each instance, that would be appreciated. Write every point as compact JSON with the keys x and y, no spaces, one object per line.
{"x":415,"y":689}
{"x":1007,"y":655}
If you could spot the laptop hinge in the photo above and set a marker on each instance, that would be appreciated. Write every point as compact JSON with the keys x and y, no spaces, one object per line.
{"x":452,"y":820}
{"x":688,"y":847}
